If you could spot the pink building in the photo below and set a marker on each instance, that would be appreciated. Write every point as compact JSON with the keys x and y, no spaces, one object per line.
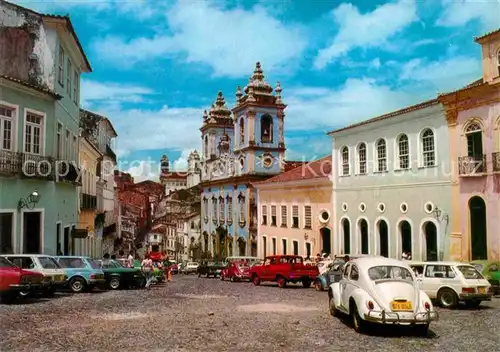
{"x":473,"y":115}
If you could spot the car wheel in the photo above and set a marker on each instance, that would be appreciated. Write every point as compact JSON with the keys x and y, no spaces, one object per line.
{"x":318,"y":286}
{"x":447,"y":298}
{"x":281,"y":282}
{"x":306,"y":283}
{"x":114,"y":283}
{"x":24,"y":294}
{"x":256,"y":280}
{"x":331,"y":305}
{"x":358,"y":323}
{"x":77,"y":285}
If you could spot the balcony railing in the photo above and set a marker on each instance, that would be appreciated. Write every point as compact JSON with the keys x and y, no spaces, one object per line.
{"x":88,"y":202}
{"x":10,"y":162}
{"x":68,"y":171}
{"x":495,"y":158}
{"x":37,"y":166}
{"x":472,"y":165}
{"x":110,"y":153}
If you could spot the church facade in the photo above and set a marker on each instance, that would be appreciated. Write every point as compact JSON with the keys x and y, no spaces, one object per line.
{"x":240,"y":146}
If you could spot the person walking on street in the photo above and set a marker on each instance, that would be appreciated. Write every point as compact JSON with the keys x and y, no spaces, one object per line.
{"x":147,"y":269}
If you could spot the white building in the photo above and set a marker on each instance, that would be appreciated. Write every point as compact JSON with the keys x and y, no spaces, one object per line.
{"x":177,"y":180}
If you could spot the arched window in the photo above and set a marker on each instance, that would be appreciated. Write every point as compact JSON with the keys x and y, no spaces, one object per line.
{"x":428,"y":148}
{"x":381,"y":155}
{"x":403,"y":152}
{"x":345,"y":161}
{"x":242,"y":131}
{"x":362,"y":158}
{"x":206,"y":147}
{"x":266,"y":129}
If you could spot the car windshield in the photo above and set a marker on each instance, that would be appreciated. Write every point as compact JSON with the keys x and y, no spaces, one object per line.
{"x":479,"y":267}
{"x":389,"y":272}
{"x":4,"y":263}
{"x":469,"y":272}
{"x":72,"y":263}
{"x":48,"y":263}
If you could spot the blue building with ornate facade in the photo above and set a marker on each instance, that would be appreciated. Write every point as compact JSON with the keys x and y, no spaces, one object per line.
{"x":240,"y":146}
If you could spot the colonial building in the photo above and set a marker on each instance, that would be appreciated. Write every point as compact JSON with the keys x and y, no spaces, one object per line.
{"x":391,"y":184}
{"x":176,"y":180}
{"x":41,"y":61}
{"x":295,"y":211}
{"x":473,"y":115}
{"x":239,"y":147}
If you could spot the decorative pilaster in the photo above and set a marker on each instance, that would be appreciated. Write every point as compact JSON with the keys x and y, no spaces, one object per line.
{"x":281,"y":134}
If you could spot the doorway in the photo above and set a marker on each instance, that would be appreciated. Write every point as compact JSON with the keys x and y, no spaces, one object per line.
{"x":363,"y":231}
{"x":430,"y":232}
{"x":478,"y":229}
{"x":253,"y":249}
{"x":66,"y":241}
{"x":405,"y":232}
{"x":326,"y":240}
{"x":308,"y":250}
{"x":6,"y":227}
{"x":58,"y":239}
{"x":242,"y":246}
{"x":264,"y":246}
{"x":32,"y":232}
{"x":346,"y":226}
{"x":383,"y":233}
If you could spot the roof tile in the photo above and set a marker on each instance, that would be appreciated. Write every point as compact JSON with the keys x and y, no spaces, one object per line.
{"x":321,"y":168}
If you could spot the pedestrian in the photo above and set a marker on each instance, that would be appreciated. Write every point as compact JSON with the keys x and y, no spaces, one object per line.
{"x":130,"y":259}
{"x":169,"y":274}
{"x":147,"y":269}
{"x":105,"y":259}
{"x":121,"y":254}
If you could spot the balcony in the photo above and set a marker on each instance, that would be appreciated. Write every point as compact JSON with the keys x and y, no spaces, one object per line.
{"x":110,"y":153}
{"x":37,"y":166}
{"x":68,"y":171}
{"x":495,"y":160}
{"x":88,"y":202}
{"x":472,"y":165}
{"x":10,"y":163}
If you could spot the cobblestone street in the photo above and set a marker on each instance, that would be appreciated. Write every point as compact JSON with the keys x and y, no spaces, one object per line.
{"x":194,"y":314}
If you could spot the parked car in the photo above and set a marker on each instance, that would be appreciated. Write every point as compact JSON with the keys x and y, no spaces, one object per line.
{"x":210,"y":269}
{"x":118,"y":276}
{"x":158,"y":273}
{"x":452,"y":282}
{"x":381,"y":291}
{"x":174,"y":269}
{"x":236,"y":271}
{"x":84,"y":274}
{"x":284,"y":269}
{"x":491,"y":271}
{"x":14,"y":280}
{"x":54,"y":277}
{"x":191,"y":268}
{"x":333,"y":274}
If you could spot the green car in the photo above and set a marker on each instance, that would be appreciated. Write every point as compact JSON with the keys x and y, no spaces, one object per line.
{"x":118,"y":276}
{"x":158,"y":273}
{"x":491,"y":271}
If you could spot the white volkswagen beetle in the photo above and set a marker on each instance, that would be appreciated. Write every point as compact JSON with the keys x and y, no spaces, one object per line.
{"x":381,"y":290}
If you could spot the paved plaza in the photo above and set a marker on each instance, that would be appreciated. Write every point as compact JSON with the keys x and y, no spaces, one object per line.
{"x":195,"y":314}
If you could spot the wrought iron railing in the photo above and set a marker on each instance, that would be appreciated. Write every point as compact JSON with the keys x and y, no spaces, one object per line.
{"x":37,"y":166}
{"x":495,"y":157}
{"x":10,"y":162}
{"x":472,"y":165}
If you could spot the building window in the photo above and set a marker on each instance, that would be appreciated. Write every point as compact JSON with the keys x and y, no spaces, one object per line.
{"x":295,"y":247}
{"x":381,"y":156}
{"x":230,"y":208}
{"x":68,"y":149}
{"x":307,"y":216}
{"x":221,"y":209}
{"x":403,"y":152}
{"x":60,"y":72}
{"x":362,"y":158}
{"x":206,"y":147}
{"x":274,"y":246}
{"x":33,"y":133}
{"x":266,"y":129}
{"x":295,"y":216}
{"x":428,"y":150}
{"x":214,"y":209}
{"x":76,"y":86}
{"x":284,"y":244}
{"x":75,"y":148}
{"x":242,"y":209}
{"x":264,"y":246}
{"x":69,"y":70}
{"x":273,"y":215}
{"x":59,"y":141}
{"x":242,"y":131}
{"x":345,"y":161}
{"x":283,"y":216}
{"x":264,"y":215}
{"x":7,"y":120}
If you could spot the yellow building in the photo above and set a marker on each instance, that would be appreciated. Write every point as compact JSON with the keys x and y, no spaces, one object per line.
{"x":91,"y":244}
{"x":294,"y":211}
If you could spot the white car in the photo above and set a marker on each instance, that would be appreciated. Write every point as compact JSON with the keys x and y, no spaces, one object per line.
{"x":452,"y":282}
{"x":383,"y":291}
{"x":191,"y":267}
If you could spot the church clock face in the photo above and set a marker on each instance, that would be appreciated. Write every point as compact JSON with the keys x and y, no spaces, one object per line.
{"x":267,"y":160}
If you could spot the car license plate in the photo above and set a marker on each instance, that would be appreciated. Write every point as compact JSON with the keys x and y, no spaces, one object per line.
{"x":401,"y":306}
{"x":482,"y":289}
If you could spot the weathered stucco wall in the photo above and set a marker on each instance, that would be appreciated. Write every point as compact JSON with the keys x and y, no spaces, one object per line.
{"x":25,"y":50}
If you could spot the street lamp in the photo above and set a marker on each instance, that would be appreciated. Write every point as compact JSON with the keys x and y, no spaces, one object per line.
{"x":439,"y":215}
{"x":29,"y":202}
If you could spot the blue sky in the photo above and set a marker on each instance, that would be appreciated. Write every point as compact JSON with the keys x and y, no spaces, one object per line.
{"x":158,"y":64}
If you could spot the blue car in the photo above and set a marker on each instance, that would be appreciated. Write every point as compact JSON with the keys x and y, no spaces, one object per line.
{"x":83,"y":273}
{"x":333,"y":274}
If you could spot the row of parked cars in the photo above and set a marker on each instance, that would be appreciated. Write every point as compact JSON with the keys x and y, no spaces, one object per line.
{"x":23,"y":275}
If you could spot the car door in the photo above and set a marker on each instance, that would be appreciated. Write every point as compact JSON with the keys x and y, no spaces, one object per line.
{"x":344,"y":287}
{"x":266,"y":268}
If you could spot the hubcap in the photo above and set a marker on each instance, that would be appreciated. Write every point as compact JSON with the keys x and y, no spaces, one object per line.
{"x":447,"y":298}
{"x":77,"y":285}
{"x":24,"y":293}
{"x":114,"y":283}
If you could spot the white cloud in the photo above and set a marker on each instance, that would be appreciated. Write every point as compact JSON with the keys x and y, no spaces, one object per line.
{"x":181,"y":164}
{"x":230,"y":41}
{"x":143,"y":170}
{"x":443,"y":75}
{"x":459,"y":13}
{"x":94,"y":92}
{"x":366,"y":30}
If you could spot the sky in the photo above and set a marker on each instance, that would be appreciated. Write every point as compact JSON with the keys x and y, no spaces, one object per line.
{"x":158,"y":64}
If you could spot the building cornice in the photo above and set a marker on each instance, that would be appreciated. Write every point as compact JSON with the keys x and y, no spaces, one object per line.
{"x":306,"y":183}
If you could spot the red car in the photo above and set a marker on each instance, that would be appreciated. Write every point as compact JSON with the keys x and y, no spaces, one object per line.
{"x":284,"y":269}
{"x":13,"y":280}
{"x":236,"y":271}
